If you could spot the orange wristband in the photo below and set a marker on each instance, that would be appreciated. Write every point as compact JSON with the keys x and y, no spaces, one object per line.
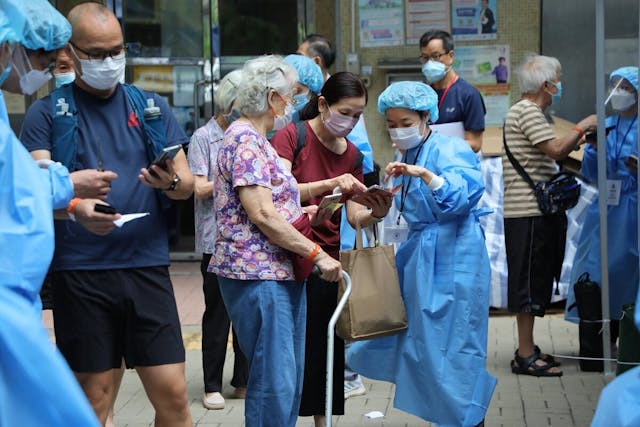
{"x":314,"y":253}
{"x":71,"y":208}
{"x":580,"y":132}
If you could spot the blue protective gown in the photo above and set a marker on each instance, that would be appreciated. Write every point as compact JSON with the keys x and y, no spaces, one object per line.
{"x":439,"y":362}
{"x":36,"y":386}
{"x":622,"y":221}
{"x":619,"y":403}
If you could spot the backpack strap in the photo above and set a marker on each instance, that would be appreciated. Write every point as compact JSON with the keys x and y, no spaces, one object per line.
{"x":150,"y":118}
{"x":359,"y":159}
{"x":301,"y":138}
{"x":64,"y":129}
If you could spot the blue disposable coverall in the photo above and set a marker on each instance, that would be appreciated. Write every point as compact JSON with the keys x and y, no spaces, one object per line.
{"x":438,"y":362}
{"x":622,"y":231}
{"x":619,"y":403}
{"x":36,"y":386}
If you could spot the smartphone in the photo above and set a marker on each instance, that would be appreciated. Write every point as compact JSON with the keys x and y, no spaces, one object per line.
{"x":593,"y":136}
{"x":105,"y":209}
{"x":166,"y":154}
{"x":376,"y":189}
{"x":332,"y":201}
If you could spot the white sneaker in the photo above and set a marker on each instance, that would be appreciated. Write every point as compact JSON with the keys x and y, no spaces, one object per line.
{"x":353,"y":388}
{"x":213,"y":401}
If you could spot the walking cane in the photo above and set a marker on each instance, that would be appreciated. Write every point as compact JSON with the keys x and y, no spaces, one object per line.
{"x":330,"y":333}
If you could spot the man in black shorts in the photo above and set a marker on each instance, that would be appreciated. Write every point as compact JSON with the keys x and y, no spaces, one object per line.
{"x":113,"y":298}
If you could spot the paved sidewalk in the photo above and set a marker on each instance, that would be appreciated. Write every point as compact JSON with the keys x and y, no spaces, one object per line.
{"x":518,"y":400}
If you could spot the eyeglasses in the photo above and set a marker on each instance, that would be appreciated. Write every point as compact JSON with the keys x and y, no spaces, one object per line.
{"x":434,"y":56}
{"x":100,"y":55}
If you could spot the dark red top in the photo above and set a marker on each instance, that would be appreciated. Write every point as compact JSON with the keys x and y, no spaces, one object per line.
{"x":314,"y":163}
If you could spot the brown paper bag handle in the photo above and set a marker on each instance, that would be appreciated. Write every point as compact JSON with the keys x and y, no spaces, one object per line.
{"x":359,"y":243}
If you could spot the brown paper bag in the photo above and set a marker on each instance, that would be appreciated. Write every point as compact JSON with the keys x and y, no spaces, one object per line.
{"x":375,"y":307}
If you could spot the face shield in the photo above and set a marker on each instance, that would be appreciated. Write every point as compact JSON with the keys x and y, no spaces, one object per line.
{"x":30,"y":70}
{"x":622,"y":95}
{"x":6,"y":50}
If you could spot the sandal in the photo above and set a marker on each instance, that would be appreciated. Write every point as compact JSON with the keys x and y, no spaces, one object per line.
{"x":528,"y":366}
{"x":547,"y":357}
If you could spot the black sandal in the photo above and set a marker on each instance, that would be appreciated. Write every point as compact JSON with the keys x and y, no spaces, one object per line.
{"x":547,"y":357}
{"x":528,"y":366}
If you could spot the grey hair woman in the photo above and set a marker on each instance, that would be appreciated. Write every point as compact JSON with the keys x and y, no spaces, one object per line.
{"x":202,"y":155}
{"x":260,"y":256}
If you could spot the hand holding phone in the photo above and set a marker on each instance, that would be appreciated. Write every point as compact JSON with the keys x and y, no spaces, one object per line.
{"x":161,"y":159}
{"x":632,"y":163}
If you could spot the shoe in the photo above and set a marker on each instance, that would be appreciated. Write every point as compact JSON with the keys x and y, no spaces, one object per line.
{"x":213,"y":401}
{"x":353,"y":388}
{"x":240,"y":393}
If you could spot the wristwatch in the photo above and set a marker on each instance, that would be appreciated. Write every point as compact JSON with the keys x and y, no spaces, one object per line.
{"x":174,"y":183}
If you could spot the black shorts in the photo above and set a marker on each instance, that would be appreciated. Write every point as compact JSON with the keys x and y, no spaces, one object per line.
{"x":535,"y":251}
{"x":103,"y":316}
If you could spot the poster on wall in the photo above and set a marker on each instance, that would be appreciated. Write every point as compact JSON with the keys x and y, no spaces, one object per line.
{"x":474,"y":19}
{"x":483,"y":64}
{"x":381,"y":22}
{"x":424,"y":15}
{"x":487,"y":68}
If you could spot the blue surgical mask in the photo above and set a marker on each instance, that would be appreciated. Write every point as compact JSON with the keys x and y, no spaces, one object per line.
{"x":232,"y":116}
{"x":64,"y":78}
{"x":301,"y":100}
{"x":555,"y":97}
{"x":280,"y":122}
{"x":433,"y":71}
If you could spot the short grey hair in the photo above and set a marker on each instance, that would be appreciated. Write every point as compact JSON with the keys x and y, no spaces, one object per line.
{"x":535,"y":70}
{"x":259,"y":76}
{"x":227,"y":91}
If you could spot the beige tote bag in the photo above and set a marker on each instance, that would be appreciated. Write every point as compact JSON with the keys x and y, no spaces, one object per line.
{"x":375,"y":307}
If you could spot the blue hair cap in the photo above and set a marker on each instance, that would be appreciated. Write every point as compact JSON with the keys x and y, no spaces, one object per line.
{"x":35,"y":24}
{"x":309,"y":73}
{"x":628,"y":73}
{"x":414,"y":96}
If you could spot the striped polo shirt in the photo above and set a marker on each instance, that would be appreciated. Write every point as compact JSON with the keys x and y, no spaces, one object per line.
{"x":525,"y":127}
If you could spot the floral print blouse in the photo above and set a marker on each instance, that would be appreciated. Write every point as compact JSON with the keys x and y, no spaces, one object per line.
{"x":242,"y":251}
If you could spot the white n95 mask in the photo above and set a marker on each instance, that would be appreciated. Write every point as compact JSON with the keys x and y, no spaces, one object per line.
{"x":622,"y":100}
{"x":33,"y":80}
{"x":406,"y":138}
{"x":105,"y":74}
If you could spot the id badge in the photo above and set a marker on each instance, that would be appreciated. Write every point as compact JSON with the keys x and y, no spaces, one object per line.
{"x":613,"y":192}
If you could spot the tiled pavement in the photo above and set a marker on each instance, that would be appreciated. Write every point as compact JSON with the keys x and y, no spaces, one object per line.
{"x":518,"y":400}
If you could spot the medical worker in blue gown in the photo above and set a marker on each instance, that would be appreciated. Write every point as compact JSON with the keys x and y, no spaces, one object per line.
{"x":622,"y":201}
{"x":36,"y":386}
{"x":438,"y":363}
{"x":619,"y":403}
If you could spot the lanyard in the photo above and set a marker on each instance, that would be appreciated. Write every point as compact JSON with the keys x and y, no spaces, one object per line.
{"x":405,"y":188}
{"x":446,"y":90}
{"x":619,"y":143}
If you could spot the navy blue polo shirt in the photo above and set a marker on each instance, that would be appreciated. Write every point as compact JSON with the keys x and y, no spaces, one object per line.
{"x":110,"y":124}
{"x":462,"y":103}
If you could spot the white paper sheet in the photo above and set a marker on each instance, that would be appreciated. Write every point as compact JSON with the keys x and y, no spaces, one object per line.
{"x":450,"y":129}
{"x":128,"y":217}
